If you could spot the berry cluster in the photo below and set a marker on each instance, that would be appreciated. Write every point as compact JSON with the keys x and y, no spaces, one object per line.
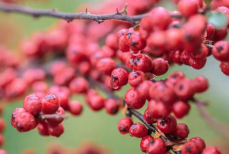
{"x":32,"y":115}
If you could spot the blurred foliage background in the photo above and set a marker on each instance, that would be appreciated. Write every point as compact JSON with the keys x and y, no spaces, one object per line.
{"x":98,"y":126}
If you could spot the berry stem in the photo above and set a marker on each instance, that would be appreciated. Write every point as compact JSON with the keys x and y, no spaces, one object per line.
{"x":52,"y":116}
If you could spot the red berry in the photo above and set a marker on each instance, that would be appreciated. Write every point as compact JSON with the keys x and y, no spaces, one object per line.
{"x":78,"y":85}
{"x":133,"y":100}
{"x":32,"y":104}
{"x":224,"y":66}
{"x":143,"y":89}
{"x":97,"y":103}
{"x":160,"y":18}
{"x":50,"y":104}
{"x":42,"y":129}
{"x":111,"y":106}
{"x":106,"y":65}
{"x":167,"y":125}
{"x":197,"y":64}
{"x":148,"y":118}
{"x":15,"y":114}
{"x":57,"y":120}
{"x":158,"y":110}
{"x":182,"y":130}
{"x":138,"y":130}
{"x":184,"y":89}
{"x":112,"y":41}
{"x":25,"y":122}
{"x":56,"y":130}
{"x":200,"y":144}
{"x":145,"y":141}
{"x":188,"y":7}
{"x":156,"y":146}
{"x":160,"y":66}
{"x":142,"y":63}
{"x":135,"y":78}
{"x":189,"y":148}
{"x":124,"y":125}
{"x":181,"y":108}
{"x":75,"y":107}
{"x":201,"y":83}
{"x":221,"y":51}
{"x":211,"y":150}
{"x":119,"y":77}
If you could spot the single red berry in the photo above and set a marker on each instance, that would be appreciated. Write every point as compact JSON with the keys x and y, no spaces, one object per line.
{"x":174,"y":39}
{"x":135,"y":78}
{"x":133,"y":100}
{"x":97,"y":103}
{"x":58,"y":119}
{"x":197,"y":64}
{"x":201,"y":83}
{"x":111,"y":106}
{"x":175,"y":76}
{"x":189,"y":148}
{"x":221,"y":51}
{"x":15,"y":114}
{"x":184,"y":89}
{"x":56,"y":130}
{"x":181,"y":108}
{"x":138,"y":130}
{"x":40,"y":86}
{"x":123,"y":44}
{"x":106,"y":65}
{"x":188,"y":7}
{"x":158,"y":109}
{"x":182,"y":131}
{"x":145,"y":141}
{"x":78,"y":85}
{"x":160,"y":18}
{"x":224,"y":66}
{"x":211,"y":150}
{"x":200,"y":53}
{"x":148,"y":118}
{"x":124,"y":125}
{"x":156,"y":146}
{"x":176,"y":57}
{"x":50,"y":104}
{"x":210,"y":31}
{"x":25,"y":121}
{"x":112,"y":41}
{"x":32,"y":104}
{"x":160,"y":66}
{"x":167,"y":125}
{"x":42,"y":129}
{"x":75,"y":107}
{"x":200,"y":144}
{"x":142,"y":63}
{"x":119,"y":78}
{"x":143,"y":89}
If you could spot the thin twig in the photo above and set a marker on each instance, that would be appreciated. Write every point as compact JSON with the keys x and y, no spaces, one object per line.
{"x":12,"y":8}
{"x":52,"y":116}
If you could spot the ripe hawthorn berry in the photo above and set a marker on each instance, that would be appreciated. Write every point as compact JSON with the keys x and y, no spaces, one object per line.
{"x":189,"y":147}
{"x":138,"y":130}
{"x":57,"y":120}
{"x":160,"y":66}
{"x":119,"y":77}
{"x":157,"y":109}
{"x":133,"y":100}
{"x":224,"y":66}
{"x":111,"y":106}
{"x":25,"y":121}
{"x":136,"y":43}
{"x":142,"y":63}
{"x":197,"y":64}
{"x":175,"y":76}
{"x":184,"y":89}
{"x":42,"y":129}
{"x":75,"y":108}
{"x":167,"y":125}
{"x":181,"y":131}
{"x":112,"y":41}
{"x":180,"y":108}
{"x":78,"y":86}
{"x":97,"y":103}
{"x":106,"y":65}
{"x":32,"y":104}
{"x":156,"y":146}
{"x":135,"y":78}
{"x":15,"y":114}
{"x":56,"y":130}
{"x":148,"y":118}
{"x":201,"y":83}
{"x":188,"y":7}
{"x":143,"y":89}
{"x":221,"y":51}
{"x":50,"y":104}
{"x":124,"y":125}
{"x":211,"y":150}
{"x":145,"y":141}
{"x":160,"y":18}
{"x":200,"y":144}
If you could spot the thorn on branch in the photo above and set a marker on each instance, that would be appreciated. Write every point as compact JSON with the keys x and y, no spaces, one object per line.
{"x":69,"y":20}
{"x":124,"y":11}
{"x":100,"y":21}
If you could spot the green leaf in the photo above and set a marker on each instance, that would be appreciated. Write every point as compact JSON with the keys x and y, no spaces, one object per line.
{"x":217,"y":19}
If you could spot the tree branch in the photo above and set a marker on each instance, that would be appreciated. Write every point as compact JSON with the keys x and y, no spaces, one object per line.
{"x":12,"y":8}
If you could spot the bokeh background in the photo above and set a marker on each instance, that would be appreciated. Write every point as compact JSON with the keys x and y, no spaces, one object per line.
{"x":98,"y":126}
